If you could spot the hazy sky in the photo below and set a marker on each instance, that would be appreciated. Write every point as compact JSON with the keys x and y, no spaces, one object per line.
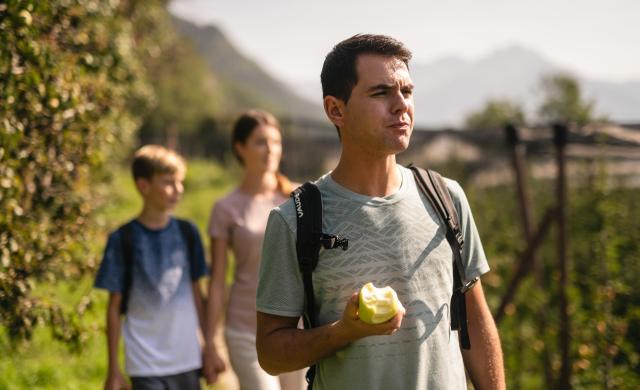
{"x":595,"y":38}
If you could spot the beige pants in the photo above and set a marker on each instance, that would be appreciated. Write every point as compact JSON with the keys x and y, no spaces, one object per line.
{"x":244,"y":360}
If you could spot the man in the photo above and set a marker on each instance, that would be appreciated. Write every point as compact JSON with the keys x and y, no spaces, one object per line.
{"x":395,"y":238}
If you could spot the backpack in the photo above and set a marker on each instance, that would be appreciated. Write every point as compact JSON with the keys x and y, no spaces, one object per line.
{"x":126,"y":239}
{"x":310,"y":238}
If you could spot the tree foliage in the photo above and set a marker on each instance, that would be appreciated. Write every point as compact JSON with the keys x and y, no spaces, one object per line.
{"x":563,"y":101}
{"x":495,"y":115}
{"x":71,"y":96}
{"x":604,"y":253}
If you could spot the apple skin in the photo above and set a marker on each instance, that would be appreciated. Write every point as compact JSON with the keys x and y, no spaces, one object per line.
{"x":377,"y":305}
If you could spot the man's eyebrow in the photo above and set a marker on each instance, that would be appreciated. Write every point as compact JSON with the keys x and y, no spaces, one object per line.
{"x":382,"y":86}
{"x":386,"y":87}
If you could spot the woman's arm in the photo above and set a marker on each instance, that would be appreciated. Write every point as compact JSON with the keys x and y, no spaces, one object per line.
{"x":213,"y":364}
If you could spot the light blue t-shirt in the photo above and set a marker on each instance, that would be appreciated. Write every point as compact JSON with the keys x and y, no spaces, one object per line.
{"x":161,"y":324}
{"x":398,"y":241}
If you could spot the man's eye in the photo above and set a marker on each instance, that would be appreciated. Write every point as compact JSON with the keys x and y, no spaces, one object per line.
{"x":379,"y":93}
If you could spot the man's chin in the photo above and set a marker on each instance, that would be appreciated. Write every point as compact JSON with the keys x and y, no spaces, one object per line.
{"x":399,"y":144}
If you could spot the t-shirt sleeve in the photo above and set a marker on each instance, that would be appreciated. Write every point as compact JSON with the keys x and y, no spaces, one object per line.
{"x":111,"y":272}
{"x":473,"y":256}
{"x":220,"y":222}
{"x":280,"y":289}
{"x":200,"y":265}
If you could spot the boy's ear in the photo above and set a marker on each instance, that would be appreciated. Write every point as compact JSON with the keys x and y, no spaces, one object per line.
{"x":143,"y":185}
{"x":334,"y":108}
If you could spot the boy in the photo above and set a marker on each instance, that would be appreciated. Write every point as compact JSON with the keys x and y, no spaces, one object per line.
{"x":151,"y":268}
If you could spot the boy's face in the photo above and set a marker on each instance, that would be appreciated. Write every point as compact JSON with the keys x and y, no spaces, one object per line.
{"x":162,"y":191}
{"x":378,"y":117}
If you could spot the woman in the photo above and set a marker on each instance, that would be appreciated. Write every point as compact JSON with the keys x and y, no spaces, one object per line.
{"x":238,"y":222}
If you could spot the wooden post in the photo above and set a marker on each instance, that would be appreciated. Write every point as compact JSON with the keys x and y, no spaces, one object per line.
{"x":560,"y":139}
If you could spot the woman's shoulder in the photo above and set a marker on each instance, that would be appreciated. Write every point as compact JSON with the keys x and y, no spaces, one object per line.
{"x":230,"y":200}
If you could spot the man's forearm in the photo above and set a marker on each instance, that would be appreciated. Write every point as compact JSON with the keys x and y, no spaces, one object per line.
{"x":483,"y":361}
{"x":289,"y":349}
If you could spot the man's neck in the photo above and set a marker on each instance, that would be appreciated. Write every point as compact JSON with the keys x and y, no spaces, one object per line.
{"x":368,"y":176}
{"x":153,"y":218}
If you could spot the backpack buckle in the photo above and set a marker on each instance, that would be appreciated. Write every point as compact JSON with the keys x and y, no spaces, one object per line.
{"x":467,"y":286}
{"x":331,"y":241}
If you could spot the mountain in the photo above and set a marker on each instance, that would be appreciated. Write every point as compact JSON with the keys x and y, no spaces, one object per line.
{"x":243,"y":77}
{"x":447,"y":90}
{"x":450,"y":88}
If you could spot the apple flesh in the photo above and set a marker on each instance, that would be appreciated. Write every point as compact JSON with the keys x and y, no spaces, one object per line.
{"x":377,"y":305}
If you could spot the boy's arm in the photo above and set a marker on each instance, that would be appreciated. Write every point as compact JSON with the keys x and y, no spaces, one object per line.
{"x":115,"y":379}
{"x":484,"y":360}
{"x":198,"y":300}
{"x":282,"y":347}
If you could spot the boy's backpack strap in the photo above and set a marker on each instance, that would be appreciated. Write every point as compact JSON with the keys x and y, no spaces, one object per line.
{"x":188,"y":235}
{"x":435,"y":189}
{"x":126,"y":241}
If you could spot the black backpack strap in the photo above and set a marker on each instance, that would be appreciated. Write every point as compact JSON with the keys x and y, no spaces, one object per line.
{"x":188,"y":235}
{"x":435,"y":189}
{"x":126,"y":242}
{"x":308,"y":204}
{"x":309,"y":239}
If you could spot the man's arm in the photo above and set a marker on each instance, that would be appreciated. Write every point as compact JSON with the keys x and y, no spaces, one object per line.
{"x":282,"y":347}
{"x":484,"y":360}
{"x":115,"y":379}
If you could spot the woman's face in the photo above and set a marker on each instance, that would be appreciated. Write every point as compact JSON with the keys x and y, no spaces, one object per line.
{"x":262,"y":150}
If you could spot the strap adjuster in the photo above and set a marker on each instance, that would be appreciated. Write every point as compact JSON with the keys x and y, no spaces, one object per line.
{"x":330,"y":241}
{"x":467,"y":286}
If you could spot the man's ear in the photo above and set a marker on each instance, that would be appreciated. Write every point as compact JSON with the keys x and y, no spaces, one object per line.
{"x":335,"y":109}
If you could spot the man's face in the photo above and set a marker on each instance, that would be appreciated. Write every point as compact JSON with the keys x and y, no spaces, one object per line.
{"x":378,"y":118}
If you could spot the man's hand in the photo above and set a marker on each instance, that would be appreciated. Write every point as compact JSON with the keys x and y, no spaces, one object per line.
{"x":212,"y":364}
{"x":282,"y":347}
{"x":116,"y":381}
{"x":356,"y":329}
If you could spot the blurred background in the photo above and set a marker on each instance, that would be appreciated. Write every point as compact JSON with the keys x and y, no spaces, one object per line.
{"x":534,"y":107}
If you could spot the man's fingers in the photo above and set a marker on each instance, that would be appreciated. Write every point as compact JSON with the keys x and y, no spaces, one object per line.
{"x":352,"y":305}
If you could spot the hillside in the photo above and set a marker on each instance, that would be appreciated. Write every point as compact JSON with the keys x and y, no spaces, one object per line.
{"x":241,"y":76}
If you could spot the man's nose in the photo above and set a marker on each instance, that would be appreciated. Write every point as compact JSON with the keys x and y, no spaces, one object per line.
{"x":401,"y":103}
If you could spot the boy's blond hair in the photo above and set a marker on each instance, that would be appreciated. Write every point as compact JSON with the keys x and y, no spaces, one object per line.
{"x":150,"y":160}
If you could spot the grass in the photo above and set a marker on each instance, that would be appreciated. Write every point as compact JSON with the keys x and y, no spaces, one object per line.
{"x":44,"y":363}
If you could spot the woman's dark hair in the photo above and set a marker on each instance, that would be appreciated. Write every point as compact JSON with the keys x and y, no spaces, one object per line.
{"x":242,"y":129}
{"x":246,"y":123}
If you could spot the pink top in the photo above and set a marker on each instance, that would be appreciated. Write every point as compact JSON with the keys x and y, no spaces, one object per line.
{"x":241,"y":219}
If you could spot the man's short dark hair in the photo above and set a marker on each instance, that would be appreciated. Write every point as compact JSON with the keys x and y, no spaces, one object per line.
{"x":339,"y":74}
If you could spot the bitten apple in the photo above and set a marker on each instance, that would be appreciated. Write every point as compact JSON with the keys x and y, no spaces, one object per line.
{"x":377,"y":305}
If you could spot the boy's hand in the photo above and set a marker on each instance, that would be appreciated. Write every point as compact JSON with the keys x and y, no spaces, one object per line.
{"x":116,"y":381}
{"x":357,"y":329}
{"x":212,"y":364}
